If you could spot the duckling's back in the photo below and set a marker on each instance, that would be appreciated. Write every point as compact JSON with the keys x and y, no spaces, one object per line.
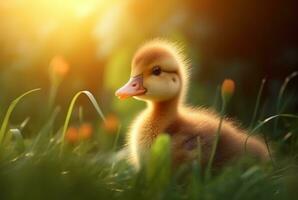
{"x":195,"y":129}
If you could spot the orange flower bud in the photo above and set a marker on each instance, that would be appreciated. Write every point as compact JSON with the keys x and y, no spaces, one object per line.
{"x":227,"y":88}
{"x":59,"y":66}
{"x":112,"y":123}
{"x":72,"y":135}
{"x":85,"y":131}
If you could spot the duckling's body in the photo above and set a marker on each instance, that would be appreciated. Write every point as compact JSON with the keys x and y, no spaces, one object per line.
{"x":189,"y":128}
{"x":159,"y":77}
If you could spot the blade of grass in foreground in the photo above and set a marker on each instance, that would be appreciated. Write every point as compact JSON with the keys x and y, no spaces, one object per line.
{"x":257,"y":104}
{"x":215,"y":143}
{"x":71,"y":107}
{"x":227,"y":91}
{"x":280,"y":96}
{"x":44,"y":134}
{"x":267,"y":120}
{"x":20,"y":145}
{"x":263,"y":123}
{"x":9,"y":112}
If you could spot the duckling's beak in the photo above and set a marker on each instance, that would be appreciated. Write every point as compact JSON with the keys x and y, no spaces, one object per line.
{"x":133,"y":87}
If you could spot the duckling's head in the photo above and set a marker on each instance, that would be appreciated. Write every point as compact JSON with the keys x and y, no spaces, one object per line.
{"x":158,"y":73}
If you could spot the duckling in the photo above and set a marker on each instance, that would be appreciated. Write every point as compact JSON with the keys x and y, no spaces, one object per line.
{"x":159,"y":76}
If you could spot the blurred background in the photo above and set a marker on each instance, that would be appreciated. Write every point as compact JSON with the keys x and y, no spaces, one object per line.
{"x":95,"y":40}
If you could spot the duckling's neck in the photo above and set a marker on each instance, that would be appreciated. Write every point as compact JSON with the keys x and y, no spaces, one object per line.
{"x":157,"y":117}
{"x":164,"y":109}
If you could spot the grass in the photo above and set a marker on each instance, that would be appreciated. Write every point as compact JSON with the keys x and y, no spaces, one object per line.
{"x":9,"y":112}
{"x":71,"y":107}
{"x":280,"y":96}
{"x":37,"y":168}
{"x":257,"y":106}
{"x":217,"y":137}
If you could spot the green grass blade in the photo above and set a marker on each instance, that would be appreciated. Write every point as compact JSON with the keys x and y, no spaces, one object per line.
{"x":9,"y":112}
{"x":158,"y":166}
{"x":71,"y":107}
{"x":271,"y":118}
{"x":257,"y":104}
{"x":116,"y":139}
{"x":44,"y":134}
{"x":215,"y":143}
{"x":267,"y":120}
{"x":17,"y":135}
{"x":280,"y":96}
{"x":114,"y":148}
{"x":24,"y":123}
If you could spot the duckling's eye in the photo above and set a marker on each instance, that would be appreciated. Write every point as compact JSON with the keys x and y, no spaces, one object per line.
{"x":156,"y":71}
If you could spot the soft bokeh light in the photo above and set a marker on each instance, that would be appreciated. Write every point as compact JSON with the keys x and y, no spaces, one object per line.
{"x":97,"y":39}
